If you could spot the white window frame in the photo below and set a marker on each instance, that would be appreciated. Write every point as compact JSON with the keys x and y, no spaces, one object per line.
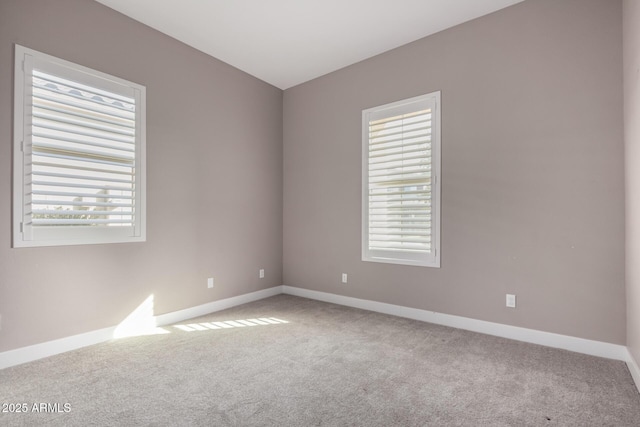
{"x":425,"y":259}
{"x":25,"y":234}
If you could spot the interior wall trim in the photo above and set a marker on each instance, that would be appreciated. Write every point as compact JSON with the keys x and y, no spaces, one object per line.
{"x":212,"y":307}
{"x":549,"y":339}
{"x":51,"y":348}
{"x":634,"y":369}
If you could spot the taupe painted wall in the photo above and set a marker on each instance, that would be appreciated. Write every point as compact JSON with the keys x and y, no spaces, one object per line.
{"x":631,"y":44}
{"x":533,"y":196}
{"x":214,"y":143}
{"x":532,"y":171}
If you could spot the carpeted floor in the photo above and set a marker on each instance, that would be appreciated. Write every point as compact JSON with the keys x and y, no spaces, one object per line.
{"x":328,"y":365}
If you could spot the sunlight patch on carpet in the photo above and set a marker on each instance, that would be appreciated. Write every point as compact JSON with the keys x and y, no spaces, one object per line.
{"x":205,"y":326}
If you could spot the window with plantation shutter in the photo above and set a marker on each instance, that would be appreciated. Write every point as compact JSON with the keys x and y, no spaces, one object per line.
{"x":401,"y":188}
{"x":78,"y":155}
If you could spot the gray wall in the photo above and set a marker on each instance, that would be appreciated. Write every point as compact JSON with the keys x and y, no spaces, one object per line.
{"x":214,"y":143}
{"x":533,"y":195}
{"x":632,"y":169}
{"x":532,"y":171}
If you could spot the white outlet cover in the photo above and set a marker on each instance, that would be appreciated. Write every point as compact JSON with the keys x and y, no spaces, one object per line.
{"x":344,"y":277}
{"x":210,"y":282}
{"x":511,"y":301}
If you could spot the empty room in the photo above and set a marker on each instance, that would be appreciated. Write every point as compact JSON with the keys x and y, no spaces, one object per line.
{"x":305,"y":212}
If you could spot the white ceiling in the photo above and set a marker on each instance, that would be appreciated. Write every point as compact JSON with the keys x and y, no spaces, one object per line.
{"x":288,"y":42}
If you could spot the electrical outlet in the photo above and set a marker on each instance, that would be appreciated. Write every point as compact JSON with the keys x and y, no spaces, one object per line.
{"x":261,"y":273}
{"x":210,"y":282}
{"x":511,"y":301}
{"x":344,"y":277}
{"x":0,"y":322}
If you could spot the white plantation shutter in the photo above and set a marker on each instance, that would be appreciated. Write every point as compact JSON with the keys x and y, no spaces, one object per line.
{"x":400,"y":172}
{"x":80,"y":135}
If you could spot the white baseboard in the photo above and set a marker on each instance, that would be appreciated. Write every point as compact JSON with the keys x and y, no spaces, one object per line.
{"x":580,"y":345}
{"x":634,"y":369}
{"x":50,"y":348}
{"x":211,"y":307}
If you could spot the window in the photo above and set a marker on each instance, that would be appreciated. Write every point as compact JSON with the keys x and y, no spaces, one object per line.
{"x":401,"y":186}
{"x":79,"y":154}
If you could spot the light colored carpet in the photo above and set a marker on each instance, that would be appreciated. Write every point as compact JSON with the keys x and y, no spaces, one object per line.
{"x":329,"y":365}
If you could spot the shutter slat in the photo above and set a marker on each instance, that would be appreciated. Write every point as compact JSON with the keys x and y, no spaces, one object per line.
{"x":423,"y":197}
{"x":401,"y":163}
{"x":123,"y":123}
{"x":421,"y":219}
{"x":377,"y":162}
{"x":69,"y":103}
{"x":82,"y":87}
{"x":55,"y":202}
{"x":401,"y":210}
{"x":380,"y":143}
{"x":385,"y":138}
{"x":404,"y":118}
{"x":397,"y":242}
{"x":76,"y":129}
{"x":83,"y":159}
{"x":419,"y":233}
{"x":82,"y":212}
{"x":400,"y":179}
{"x":400,"y":143}
{"x":405,"y":249}
{"x":400,"y":122}
{"x":80,"y":177}
{"x":379,"y":214}
{"x":82,"y":168}
{"x":378,"y":234}
{"x":37,"y":221}
{"x":87,"y":186}
{"x":400,"y":153}
{"x":40,"y":84}
{"x":79,"y":142}
{"x":395,"y":191}
{"x":69,"y":194}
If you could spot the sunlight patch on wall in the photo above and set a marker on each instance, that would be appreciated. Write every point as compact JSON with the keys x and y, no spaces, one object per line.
{"x":141,"y":321}
{"x":205,"y":326}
